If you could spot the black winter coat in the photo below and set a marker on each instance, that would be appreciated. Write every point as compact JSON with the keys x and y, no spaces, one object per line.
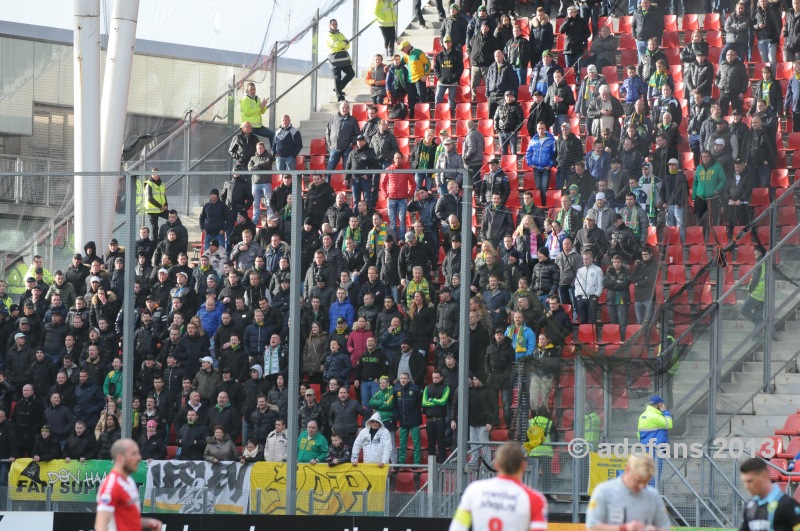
{"x":83,"y":446}
{"x":47,"y":449}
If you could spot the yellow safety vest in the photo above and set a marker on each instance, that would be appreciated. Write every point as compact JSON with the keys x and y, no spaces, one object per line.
{"x":159,"y":192}
{"x":544,"y":449}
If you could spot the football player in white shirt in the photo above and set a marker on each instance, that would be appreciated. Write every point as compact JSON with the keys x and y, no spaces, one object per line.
{"x":502,"y":503}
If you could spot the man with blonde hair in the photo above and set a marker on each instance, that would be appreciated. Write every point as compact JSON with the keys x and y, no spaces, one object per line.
{"x":628,"y":503}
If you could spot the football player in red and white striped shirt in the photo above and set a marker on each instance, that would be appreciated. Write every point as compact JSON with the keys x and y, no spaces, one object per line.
{"x":502,"y":503}
{"x":118,"y":497}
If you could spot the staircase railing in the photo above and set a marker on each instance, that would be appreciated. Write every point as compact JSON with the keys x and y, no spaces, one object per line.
{"x":182,"y":129}
{"x":699,"y":395}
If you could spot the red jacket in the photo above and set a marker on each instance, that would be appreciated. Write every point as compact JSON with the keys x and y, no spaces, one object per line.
{"x":398,"y":185}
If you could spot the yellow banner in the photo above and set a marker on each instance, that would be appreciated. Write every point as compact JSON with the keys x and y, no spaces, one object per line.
{"x":340,"y":490}
{"x":601,"y":469}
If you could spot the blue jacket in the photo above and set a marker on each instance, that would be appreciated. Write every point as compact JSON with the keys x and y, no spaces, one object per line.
{"x":211,"y":319}
{"x":654,"y":425}
{"x":338,"y":366}
{"x":341,"y":309}
{"x":287,"y":142}
{"x":256,"y":339}
{"x":528,"y":344}
{"x":215,"y":217}
{"x":792,"y":98}
{"x":598,"y":168}
{"x":541,"y":151}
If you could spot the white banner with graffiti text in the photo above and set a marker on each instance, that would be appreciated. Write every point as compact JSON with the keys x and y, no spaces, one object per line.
{"x":192,"y":487}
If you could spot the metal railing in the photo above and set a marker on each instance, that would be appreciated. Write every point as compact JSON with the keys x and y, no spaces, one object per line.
{"x":722,"y":367}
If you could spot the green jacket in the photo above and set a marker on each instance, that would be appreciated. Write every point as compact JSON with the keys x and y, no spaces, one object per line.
{"x":708,"y":181}
{"x":114,"y":377}
{"x":308,"y":449}
{"x":383,"y":403}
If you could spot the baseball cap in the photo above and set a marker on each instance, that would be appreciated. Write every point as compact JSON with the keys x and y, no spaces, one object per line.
{"x":672,"y":161}
{"x":162,"y":270}
{"x":591,"y":215}
{"x":481,"y":8}
{"x":719,"y":142}
{"x":18,"y":335}
{"x":310,"y":392}
{"x":646,"y":165}
{"x":447,"y":140}
{"x":409,"y":236}
{"x":510,"y":93}
{"x":448,"y":38}
{"x":655,"y":400}
{"x":591,"y":68}
{"x":113,"y":241}
{"x":600,"y":196}
{"x":95,"y":279}
{"x":208,"y":359}
{"x":361,"y":137}
{"x":404,"y":44}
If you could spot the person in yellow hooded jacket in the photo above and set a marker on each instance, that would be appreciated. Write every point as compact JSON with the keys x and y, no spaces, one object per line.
{"x":340,"y":60}
{"x":418,"y":67}
{"x":387,"y":22}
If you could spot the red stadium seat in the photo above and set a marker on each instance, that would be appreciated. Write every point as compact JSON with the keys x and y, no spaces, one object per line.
{"x":422,"y":111}
{"x":587,"y":335}
{"x":714,"y":38}
{"x":791,"y":427}
{"x":442,"y":111}
{"x":694,"y":236}
{"x":711,"y":21}
{"x":318,"y":147}
{"x":610,"y":334}
{"x":779,"y":178}
{"x":697,"y":255}
{"x":670,"y":22}
{"x":625,"y":25}
{"x":482,"y":111}
{"x":463,"y":111}
{"x":402,"y":129}
{"x":676,"y":274}
{"x":486,"y":127}
{"x":792,"y":450}
{"x":674,"y":254}
{"x":359,"y":111}
{"x":405,"y":482}
{"x":690,"y":23}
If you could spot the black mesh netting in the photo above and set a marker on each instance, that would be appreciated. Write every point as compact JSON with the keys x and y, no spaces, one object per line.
{"x":710,"y":283}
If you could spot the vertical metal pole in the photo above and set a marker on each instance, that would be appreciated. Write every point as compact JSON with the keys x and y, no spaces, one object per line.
{"x":128,"y":307}
{"x":114,"y":109}
{"x":294,"y":348}
{"x":187,"y":159}
{"x":86,"y":87}
{"x":232,"y":104}
{"x":314,"y":63}
{"x":354,"y":42}
{"x":431,"y":483}
{"x":715,"y":355}
{"x":578,"y":424}
{"x":769,"y":301}
{"x":463,"y":330}
{"x":607,"y":398}
{"x":273,"y":88}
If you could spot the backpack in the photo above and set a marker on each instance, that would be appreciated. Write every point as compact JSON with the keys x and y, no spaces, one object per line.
{"x":398,"y":111}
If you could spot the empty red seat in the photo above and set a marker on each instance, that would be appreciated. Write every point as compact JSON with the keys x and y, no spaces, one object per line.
{"x":405,"y":483}
{"x":610,"y":334}
{"x":791,"y":427}
{"x":697,"y":255}
{"x":711,"y":21}
{"x":422,"y":111}
{"x":587,"y":335}
{"x":694,"y":236}
{"x":402,"y":129}
{"x":318,"y":147}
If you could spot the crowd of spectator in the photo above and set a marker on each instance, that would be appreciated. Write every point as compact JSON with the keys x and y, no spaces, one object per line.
{"x":612,"y":167}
